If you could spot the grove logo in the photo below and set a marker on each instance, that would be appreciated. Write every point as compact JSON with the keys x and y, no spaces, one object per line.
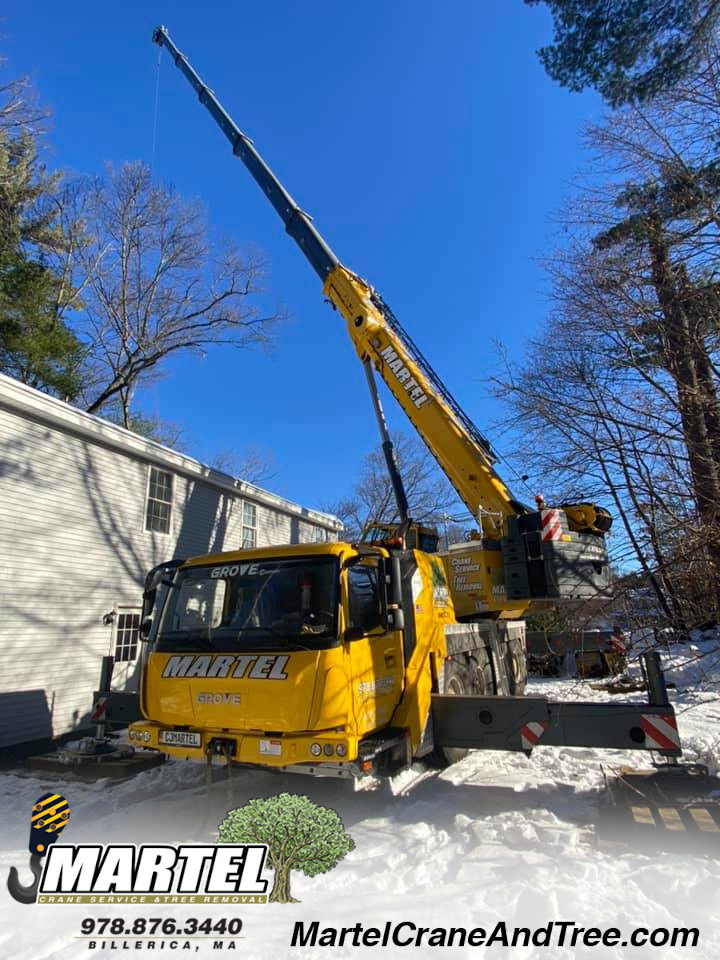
{"x":299,"y":835}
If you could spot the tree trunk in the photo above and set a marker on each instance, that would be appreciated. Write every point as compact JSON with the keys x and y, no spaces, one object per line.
{"x":680,"y":359}
{"x":281,"y":888}
{"x":702,"y":306}
{"x":125,"y":402}
{"x":708,"y":393}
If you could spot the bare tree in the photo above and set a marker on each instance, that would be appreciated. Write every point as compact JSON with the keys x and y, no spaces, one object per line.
{"x":429,"y":494}
{"x":619,"y":398}
{"x":19,"y":110}
{"x":144,"y":282}
{"x":253,"y":464}
{"x":593,"y":430}
{"x":167,"y":432}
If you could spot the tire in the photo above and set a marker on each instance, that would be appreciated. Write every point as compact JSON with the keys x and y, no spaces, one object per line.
{"x":516,"y":667}
{"x":461,"y":677}
{"x":482,"y":673}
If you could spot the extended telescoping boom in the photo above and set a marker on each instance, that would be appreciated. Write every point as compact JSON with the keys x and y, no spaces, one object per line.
{"x":463,"y":453}
{"x":529,"y":555}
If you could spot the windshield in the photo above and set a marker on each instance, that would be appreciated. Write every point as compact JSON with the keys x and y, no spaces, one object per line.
{"x":259,"y":604}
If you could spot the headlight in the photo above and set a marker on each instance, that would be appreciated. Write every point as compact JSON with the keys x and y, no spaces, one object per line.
{"x":341,"y":750}
{"x":328,"y":750}
{"x":146,"y":736}
{"x":316,"y":749}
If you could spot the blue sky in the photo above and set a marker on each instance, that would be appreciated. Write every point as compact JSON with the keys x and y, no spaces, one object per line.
{"x":424,"y":138}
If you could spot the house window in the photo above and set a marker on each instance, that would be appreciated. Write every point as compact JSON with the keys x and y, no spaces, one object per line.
{"x":159,"y":501}
{"x":127,"y":636}
{"x":249,"y":526}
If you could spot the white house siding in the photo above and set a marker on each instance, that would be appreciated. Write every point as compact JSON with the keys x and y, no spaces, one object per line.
{"x":73,"y":547}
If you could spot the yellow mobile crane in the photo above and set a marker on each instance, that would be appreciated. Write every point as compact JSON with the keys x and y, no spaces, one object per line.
{"x":521,"y":555}
{"x":346,"y":658}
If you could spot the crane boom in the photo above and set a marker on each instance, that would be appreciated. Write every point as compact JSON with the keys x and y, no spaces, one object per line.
{"x":464,"y":455}
{"x":297,"y":222}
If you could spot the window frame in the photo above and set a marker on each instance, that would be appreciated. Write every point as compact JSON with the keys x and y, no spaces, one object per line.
{"x":169,"y":503}
{"x":372,"y":571}
{"x":163,"y":639}
{"x":248,"y":526}
{"x":120,"y":644}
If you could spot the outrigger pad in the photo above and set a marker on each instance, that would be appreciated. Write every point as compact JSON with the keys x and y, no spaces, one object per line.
{"x":49,"y":817}
{"x":669,"y":807}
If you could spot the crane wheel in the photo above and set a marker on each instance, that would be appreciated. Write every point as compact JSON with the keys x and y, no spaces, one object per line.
{"x":463,"y":676}
{"x":482,"y":673}
{"x":516,"y":667}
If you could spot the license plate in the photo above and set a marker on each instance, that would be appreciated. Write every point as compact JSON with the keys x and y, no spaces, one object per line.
{"x":179,"y":738}
{"x":272,"y":748}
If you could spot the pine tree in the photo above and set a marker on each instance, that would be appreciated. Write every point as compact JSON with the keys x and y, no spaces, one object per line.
{"x":628,"y":50}
{"x":36,"y":346}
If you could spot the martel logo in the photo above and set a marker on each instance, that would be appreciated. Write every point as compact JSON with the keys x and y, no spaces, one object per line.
{"x":90,"y":872}
{"x":403,"y":376}
{"x":250,"y":667}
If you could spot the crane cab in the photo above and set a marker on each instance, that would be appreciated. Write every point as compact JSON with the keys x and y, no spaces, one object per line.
{"x":291,"y":655}
{"x":414,"y":536}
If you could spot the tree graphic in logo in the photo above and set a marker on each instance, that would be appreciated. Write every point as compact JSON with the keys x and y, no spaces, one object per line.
{"x":300,"y":836}
{"x":439,"y":583}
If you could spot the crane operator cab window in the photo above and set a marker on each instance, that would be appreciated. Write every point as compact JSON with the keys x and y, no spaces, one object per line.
{"x":265,"y":604}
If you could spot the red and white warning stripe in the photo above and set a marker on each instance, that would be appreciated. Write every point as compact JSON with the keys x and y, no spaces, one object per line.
{"x":661,"y":732}
{"x":530,"y":734}
{"x":551,"y":524}
{"x":98,"y":714}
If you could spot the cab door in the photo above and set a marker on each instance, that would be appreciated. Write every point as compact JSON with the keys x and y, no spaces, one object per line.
{"x":375,"y":654}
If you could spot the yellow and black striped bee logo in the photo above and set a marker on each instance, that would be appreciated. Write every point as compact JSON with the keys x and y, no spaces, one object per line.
{"x":49,"y":816}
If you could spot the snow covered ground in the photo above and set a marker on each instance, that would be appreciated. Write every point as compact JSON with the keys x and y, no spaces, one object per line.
{"x":495,"y":837}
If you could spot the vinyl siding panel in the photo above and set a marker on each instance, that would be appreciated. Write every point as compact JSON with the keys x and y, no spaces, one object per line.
{"x":73,"y":547}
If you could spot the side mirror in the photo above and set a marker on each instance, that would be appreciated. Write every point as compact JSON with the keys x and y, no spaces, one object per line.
{"x":392,"y":577}
{"x":149,"y":597}
{"x":145,"y":628}
{"x":162,"y":573}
